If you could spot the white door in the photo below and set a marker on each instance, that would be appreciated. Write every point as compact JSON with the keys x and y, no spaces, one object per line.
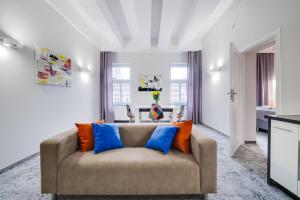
{"x":235,"y":95}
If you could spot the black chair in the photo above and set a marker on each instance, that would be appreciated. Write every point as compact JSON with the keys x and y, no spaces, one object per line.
{"x":180,"y":114}
{"x":129,"y":114}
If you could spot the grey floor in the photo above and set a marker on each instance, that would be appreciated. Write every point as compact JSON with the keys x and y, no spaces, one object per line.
{"x":241,"y":177}
{"x":262,"y":142}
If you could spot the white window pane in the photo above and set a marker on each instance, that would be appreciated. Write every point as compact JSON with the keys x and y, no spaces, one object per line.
{"x":116,"y":93}
{"x":121,"y":83}
{"x":183,"y":90}
{"x":175,"y":91}
{"x":178,"y":73}
{"x":121,"y":73}
{"x":125,"y":93}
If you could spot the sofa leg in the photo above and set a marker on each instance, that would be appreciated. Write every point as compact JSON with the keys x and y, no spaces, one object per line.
{"x":54,"y":197}
{"x":204,"y":196}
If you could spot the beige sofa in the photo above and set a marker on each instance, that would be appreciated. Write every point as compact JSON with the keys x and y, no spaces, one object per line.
{"x":133,"y":170}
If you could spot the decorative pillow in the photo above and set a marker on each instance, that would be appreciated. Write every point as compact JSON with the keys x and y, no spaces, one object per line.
{"x":182,"y":140}
{"x":161,"y":139}
{"x":106,"y":137}
{"x":85,"y":133}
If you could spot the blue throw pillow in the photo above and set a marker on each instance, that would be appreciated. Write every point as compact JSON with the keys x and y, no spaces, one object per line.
{"x":106,"y":137}
{"x":162,"y":138}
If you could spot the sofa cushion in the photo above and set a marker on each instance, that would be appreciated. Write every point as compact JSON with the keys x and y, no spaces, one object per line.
{"x":85,"y":134}
{"x":106,"y":137}
{"x":129,"y":171}
{"x":182,"y":140}
{"x":133,"y":135}
{"x":162,"y":138}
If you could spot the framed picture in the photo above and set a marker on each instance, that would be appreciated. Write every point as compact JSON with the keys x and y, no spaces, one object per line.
{"x":52,"y":68}
{"x":150,"y":83}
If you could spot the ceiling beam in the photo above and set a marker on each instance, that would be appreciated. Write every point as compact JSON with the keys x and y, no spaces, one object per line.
{"x":155,"y":21}
{"x":138,"y":18}
{"x":197,"y":27}
{"x":107,"y":11}
{"x":144,"y":21}
{"x":98,"y":21}
{"x":170,"y":10}
{"x":129,"y":10}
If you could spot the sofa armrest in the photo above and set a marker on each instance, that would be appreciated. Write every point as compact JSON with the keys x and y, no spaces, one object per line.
{"x":53,"y":151}
{"x":205,"y":151}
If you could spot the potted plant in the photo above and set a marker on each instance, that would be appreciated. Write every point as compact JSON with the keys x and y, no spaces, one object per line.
{"x":155,"y":95}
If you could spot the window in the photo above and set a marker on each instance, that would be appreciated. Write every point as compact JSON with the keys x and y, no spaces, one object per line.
{"x":178,"y":83}
{"x":121,"y":84}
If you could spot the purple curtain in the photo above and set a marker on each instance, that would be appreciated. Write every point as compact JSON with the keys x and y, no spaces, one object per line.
{"x":265,"y":75}
{"x":106,"y":107}
{"x":194,"y":100}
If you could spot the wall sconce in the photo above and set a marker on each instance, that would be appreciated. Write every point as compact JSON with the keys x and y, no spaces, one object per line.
{"x":8,"y":42}
{"x":86,"y":70}
{"x":212,"y":71}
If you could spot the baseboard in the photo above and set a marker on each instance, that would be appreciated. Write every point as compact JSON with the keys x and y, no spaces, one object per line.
{"x":250,"y":142}
{"x":214,"y":130}
{"x":19,"y":163}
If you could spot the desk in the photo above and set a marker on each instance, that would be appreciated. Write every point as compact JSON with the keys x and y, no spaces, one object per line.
{"x":173,"y":110}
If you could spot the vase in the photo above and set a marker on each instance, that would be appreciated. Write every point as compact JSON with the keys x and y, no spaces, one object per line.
{"x":156,"y":112}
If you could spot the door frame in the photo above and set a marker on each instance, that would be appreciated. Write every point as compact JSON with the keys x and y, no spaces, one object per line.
{"x":273,"y":36}
{"x":276,"y":37}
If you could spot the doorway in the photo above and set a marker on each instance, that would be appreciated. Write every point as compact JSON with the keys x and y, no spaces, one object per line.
{"x":260,"y":92}
{"x":253,"y":124}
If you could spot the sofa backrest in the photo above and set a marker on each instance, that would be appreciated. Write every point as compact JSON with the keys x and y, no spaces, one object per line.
{"x":136,"y":135}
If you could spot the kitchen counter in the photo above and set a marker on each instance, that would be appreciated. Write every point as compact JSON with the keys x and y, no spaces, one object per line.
{"x":295,"y":119}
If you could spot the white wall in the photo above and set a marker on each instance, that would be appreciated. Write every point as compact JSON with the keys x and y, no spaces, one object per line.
{"x":29,"y":113}
{"x":250,"y":96}
{"x":243,"y":24}
{"x":148,"y":63}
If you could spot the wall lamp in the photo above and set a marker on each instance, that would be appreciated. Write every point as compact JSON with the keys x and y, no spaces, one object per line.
{"x":8,"y":42}
{"x":213,"y":71}
{"x":86,"y":70}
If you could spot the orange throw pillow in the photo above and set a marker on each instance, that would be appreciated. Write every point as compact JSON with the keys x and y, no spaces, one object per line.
{"x":86,"y":137}
{"x":182,"y":140}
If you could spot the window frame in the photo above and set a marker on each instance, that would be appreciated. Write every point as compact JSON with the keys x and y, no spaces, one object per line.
{"x":178,"y":81}
{"x":121,"y":82}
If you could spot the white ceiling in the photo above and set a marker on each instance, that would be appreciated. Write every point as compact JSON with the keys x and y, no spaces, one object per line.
{"x":142,"y":25}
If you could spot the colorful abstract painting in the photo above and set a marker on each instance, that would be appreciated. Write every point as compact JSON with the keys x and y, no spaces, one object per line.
{"x":52,"y":68}
{"x":150,"y":83}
